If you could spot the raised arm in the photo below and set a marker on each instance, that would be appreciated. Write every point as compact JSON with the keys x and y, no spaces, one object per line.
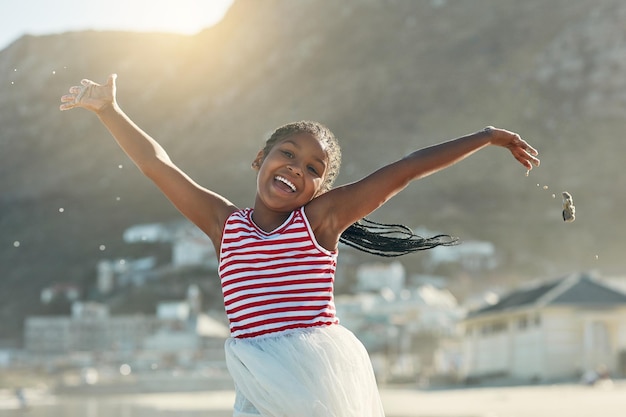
{"x":203,"y":207}
{"x":342,"y":206}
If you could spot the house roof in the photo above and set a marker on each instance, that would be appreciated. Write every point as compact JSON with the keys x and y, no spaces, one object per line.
{"x":579,"y":289}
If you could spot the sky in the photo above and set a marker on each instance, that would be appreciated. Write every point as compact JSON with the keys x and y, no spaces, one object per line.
{"x":43,"y":17}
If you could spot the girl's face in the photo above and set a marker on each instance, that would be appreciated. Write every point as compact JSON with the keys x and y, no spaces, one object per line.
{"x":292,"y":173}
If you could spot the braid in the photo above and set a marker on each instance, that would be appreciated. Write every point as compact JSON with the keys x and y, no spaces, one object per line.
{"x":387,"y":240}
{"x":390,"y":240}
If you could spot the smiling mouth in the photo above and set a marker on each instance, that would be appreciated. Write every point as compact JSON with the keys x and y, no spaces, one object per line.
{"x":285,"y":181}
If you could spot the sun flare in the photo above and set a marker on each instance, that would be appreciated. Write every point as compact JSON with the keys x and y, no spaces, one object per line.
{"x":178,"y":16}
{"x":185,"y":17}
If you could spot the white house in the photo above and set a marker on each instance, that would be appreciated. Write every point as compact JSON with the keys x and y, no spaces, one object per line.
{"x":150,"y":232}
{"x":557,"y":330}
{"x":190,"y":246}
{"x":376,"y":276}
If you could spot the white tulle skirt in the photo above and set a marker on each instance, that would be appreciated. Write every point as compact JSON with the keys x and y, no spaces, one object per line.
{"x":316,"y":372}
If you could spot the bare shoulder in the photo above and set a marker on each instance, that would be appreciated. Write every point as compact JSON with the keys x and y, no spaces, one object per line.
{"x":320,"y":213}
{"x":215,"y":228}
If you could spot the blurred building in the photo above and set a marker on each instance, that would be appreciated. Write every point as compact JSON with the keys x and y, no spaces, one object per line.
{"x":178,"y":332}
{"x":557,"y":330}
{"x":190,"y":246}
{"x":471,"y":256}
{"x":410,"y":332}
{"x":375,"y":276}
{"x":89,"y":328}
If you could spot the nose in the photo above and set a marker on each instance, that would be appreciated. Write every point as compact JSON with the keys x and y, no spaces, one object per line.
{"x":295,"y":169}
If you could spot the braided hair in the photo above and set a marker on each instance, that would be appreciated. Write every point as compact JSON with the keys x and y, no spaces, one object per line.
{"x":387,"y":240}
{"x":390,"y":240}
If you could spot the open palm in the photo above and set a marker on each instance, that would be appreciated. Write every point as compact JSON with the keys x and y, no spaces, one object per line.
{"x":90,"y":95}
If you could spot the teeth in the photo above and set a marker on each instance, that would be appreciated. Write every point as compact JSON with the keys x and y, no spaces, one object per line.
{"x":287,"y":182}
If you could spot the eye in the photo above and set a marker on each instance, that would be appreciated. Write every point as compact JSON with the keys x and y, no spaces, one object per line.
{"x":287,"y":154}
{"x":313,"y":170}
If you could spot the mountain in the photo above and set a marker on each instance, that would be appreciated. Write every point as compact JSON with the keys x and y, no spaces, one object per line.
{"x":387,"y":76}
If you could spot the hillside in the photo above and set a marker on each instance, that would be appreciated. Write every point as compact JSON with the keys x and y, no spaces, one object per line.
{"x":386,"y":76}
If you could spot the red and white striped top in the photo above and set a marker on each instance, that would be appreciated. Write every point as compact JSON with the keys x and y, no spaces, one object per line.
{"x":275,"y":281}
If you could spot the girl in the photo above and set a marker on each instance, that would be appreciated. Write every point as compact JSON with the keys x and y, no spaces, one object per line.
{"x":288,"y":355}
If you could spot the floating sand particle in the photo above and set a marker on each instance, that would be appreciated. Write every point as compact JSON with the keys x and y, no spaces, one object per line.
{"x":16,"y":244}
{"x":102,"y":247}
{"x":545,"y":187}
{"x":61,"y":209}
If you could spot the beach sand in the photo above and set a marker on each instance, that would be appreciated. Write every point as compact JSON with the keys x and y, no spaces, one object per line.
{"x":606,"y":400}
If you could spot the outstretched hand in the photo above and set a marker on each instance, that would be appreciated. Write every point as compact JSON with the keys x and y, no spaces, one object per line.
{"x":521,"y":150}
{"x":90,"y":95}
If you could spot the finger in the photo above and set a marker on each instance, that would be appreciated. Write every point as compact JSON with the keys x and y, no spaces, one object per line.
{"x":527,"y":164}
{"x":532,"y":158}
{"x":86,"y":82}
{"x":535,"y":161}
{"x":526,"y":146}
{"x":527,"y":151}
{"x":71,"y":100}
{"x":82,"y":91}
{"x":111,"y":80}
{"x":67,"y":106}
{"x":531,"y":161}
{"x":530,"y":154}
{"x":530,"y":149}
{"x":526,"y":159}
{"x":68,"y":101}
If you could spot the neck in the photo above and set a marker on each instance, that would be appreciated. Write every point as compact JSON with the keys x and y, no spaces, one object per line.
{"x":267,"y":219}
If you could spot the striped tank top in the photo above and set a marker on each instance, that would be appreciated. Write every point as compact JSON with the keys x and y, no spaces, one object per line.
{"x":275,"y":281}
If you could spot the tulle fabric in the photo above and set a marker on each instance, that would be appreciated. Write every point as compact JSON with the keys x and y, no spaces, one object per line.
{"x":316,"y":372}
